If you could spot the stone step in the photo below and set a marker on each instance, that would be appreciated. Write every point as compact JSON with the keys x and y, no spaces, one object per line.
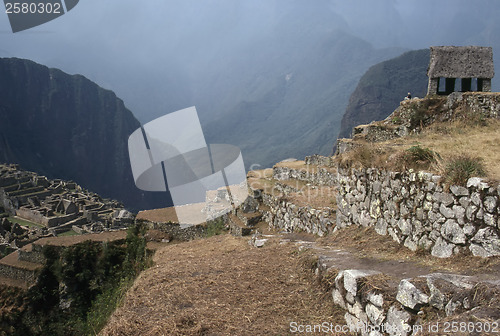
{"x":237,"y":227}
{"x":249,"y":219}
{"x":397,"y":293}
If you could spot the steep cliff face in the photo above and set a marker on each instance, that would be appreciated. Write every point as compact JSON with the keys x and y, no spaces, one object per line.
{"x":67,"y":127}
{"x":383,"y":86}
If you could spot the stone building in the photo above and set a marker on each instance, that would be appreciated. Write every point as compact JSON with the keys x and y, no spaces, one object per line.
{"x":472,"y":65}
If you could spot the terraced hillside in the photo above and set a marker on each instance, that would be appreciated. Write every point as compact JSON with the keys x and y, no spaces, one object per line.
{"x":396,"y":247}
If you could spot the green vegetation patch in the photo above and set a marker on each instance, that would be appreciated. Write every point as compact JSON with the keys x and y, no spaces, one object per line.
{"x":461,"y":168}
{"x":23,"y":222}
{"x":215,"y":227}
{"x":79,"y":287}
{"x":419,"y":157}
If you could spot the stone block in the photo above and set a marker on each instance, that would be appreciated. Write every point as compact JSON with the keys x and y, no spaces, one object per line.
{"x":459,"y":213}
{"x":375,"y":314}
{"x":490,"y":219}
{"x":459,"y":191}
{"x":490,"y":204}
{"x":410,"y":243}
{"x":425,"y":243}
{"x":453,"y":232}
{"x":442,"y":249}
{"x":352,"y":321}
{"x":410,"y":296}
{"x":381,"y":227}
{"x":444,"y":198}
{"x":474,"y":182}
{"x":338,"y":299}
{"x":476,"y":198}
{"x":398,"y":322}
{"x":405,"y":226}
{"x":485,"y":243}
{"x":446,"y":212}
{"x":443,"y":287}
{"x":375,"y":298}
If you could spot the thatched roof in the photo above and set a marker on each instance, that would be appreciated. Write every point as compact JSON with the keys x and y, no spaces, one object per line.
{"x":461,"y":62}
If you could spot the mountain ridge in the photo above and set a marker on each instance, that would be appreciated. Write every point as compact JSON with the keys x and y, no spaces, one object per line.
{"x":66,"y":126}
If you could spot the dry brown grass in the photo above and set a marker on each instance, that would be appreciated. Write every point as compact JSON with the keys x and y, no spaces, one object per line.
{"x":293,"y":164}
{"x":448,"y":139}
{"x":222,"y":286}
{"x":456,"y":138}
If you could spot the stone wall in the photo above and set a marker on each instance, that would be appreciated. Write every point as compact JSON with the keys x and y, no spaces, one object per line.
{"x":283,"y":215}
{"x":34,"y":255}
{"x":24,"y":274}
{"x":415,"y":210}
{"x":485,"y":104}
{"x":319,"y":160}
{"x":313,"y":174}
{"x":177,"y":231}
{"x":374,"y":308}
{"x":35,"y":216}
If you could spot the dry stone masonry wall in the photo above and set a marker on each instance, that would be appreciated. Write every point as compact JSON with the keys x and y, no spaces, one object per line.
{"x":374,"y":308}
{"x":415,"y":210}
{"x":284,"y":215}
{"x":317,"y":172}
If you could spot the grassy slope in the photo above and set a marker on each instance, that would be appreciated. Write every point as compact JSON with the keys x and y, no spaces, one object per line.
{"x":221,"y":286}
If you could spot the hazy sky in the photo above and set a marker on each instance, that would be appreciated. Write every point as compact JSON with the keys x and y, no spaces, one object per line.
{"x":144,"y":50}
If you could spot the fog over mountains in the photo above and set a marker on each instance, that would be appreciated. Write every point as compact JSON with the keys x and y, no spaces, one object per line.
{"x":271,"y":76}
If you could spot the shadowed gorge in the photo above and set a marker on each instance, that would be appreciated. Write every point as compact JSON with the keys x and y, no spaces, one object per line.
{"x":67,"y":127}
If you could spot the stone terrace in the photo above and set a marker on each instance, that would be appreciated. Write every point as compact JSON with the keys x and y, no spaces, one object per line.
{"x":21,"y":267}
{"x":56,"y":205}
{"x":375,"y":292}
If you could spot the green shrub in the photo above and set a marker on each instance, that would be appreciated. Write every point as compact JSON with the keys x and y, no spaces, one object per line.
{"x":421,"y":158}
{"x":463,"y":167}
{"x":215,"y":227}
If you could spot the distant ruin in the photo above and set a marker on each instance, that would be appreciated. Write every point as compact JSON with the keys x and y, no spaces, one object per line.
{"x":472,"y":65}
{"x":52,"y":207}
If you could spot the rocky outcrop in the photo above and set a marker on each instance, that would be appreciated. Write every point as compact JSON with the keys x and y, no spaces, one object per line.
{"x":383,"y":86}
